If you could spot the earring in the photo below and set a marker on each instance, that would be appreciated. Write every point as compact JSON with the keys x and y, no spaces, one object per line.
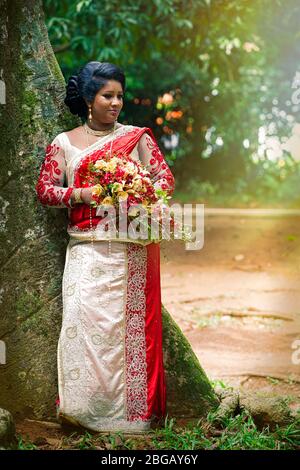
{"x":90,"y":113}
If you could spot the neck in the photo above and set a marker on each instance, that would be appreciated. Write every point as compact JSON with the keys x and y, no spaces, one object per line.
{"x":100,"y":126}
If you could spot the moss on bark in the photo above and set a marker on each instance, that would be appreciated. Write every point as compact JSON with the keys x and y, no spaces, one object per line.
{"x":189,"y":392}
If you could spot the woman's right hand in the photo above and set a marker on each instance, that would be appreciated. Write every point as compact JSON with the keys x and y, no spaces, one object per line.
{"x":86,"y":195}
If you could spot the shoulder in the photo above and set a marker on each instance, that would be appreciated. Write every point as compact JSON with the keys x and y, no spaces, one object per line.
{"x":146,"y":135}
{"x":74,"y":131}
{"x":70,"y":133}
{"x":135,"y":128}
{"x":139,"y":132}
{"x":129,"y":127}
{"x":142,"y":130}
{"x":63,"y":138}
{"x":58,"y":141}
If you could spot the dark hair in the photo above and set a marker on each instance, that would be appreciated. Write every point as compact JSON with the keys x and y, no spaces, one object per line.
{"x":88,"y":81}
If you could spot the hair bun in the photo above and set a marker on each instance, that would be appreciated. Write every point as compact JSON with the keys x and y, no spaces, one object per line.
{"x":72,"y":86}
{"x":73,"y":98}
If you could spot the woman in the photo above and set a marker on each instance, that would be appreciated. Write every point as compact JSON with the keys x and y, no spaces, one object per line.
{"x":110,"y":359}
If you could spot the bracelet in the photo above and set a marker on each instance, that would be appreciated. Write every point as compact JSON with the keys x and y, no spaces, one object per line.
{"x":77,"y":194}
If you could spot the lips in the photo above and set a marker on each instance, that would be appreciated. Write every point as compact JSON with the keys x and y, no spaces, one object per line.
{"x":113,"y":111}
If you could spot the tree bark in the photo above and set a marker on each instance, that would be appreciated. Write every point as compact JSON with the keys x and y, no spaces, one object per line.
{"x":33,"y":238}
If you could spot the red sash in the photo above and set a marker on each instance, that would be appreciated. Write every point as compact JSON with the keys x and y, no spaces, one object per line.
{"x":80,"y":214}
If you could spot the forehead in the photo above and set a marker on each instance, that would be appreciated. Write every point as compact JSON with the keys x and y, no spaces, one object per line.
{"x":111,"y":85}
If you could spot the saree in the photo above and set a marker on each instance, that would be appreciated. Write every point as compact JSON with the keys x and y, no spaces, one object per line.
{"x":110,"y":366}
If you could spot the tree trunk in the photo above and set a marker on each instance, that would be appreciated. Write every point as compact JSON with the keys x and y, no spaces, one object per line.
{"x":33,"y":238}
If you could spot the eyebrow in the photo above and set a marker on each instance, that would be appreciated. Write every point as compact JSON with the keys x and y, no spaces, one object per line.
{"x":111,"y":91}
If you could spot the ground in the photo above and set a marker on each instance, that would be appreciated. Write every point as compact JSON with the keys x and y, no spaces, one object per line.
{"x":237,"y":300}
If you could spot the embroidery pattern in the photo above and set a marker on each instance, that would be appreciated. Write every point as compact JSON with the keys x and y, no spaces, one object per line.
{"x":71,"y":362}
{"x":135,"y":341}
{"x":160,"y":171}
{"x":49,"y":187}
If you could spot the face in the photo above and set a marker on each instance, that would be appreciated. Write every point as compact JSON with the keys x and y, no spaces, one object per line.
{"x":109,"y":98}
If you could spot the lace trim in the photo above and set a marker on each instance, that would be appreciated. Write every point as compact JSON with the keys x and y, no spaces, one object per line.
{"x":71,"y":344}
{"x":135,"y":341}
{"x":110,"y":424}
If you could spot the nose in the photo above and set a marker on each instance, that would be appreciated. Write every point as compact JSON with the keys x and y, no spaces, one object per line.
{"x":115,"y":101}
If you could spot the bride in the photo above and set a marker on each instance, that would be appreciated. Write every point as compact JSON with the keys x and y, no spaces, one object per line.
{"x":109,"y":357}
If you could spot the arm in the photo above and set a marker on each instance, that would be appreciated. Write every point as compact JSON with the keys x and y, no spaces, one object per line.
{"x":154,"y":161}
{"x":49,"y":188}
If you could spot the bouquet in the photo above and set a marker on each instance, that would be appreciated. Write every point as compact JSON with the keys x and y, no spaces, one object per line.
{"x":123,"y":183}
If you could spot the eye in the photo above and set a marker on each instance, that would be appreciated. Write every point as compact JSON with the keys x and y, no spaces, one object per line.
{"x":109,"y":96}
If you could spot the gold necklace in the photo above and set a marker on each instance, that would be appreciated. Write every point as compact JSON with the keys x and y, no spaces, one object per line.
{"x":91,"y":131}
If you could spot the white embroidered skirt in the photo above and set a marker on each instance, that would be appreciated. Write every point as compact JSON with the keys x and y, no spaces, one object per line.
{"x":110,"y":359}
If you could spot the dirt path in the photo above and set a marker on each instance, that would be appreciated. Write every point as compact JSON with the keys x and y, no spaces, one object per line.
{"x":238,"y":298}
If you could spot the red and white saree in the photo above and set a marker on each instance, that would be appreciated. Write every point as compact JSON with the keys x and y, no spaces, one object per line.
{"x":109,"y":356}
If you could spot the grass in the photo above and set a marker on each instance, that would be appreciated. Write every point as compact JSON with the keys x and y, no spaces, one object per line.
{"x":25,"y":445}
{"x":236,"y":433}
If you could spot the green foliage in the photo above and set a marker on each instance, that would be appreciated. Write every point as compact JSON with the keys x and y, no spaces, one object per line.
{"x":174,"y":437}
{"x":85,"y":442}
{"x":268,"y":185}
{"x":211,"y":72}
{"x":238,"y":433}
{"x":25,"y":445}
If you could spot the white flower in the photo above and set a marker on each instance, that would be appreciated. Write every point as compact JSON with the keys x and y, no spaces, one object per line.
{"x":100,"y":164}
{"x":130,"y":168}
